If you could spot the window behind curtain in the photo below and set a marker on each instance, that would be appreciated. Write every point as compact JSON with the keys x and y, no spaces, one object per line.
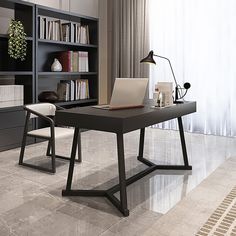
{"x":199,"y":37}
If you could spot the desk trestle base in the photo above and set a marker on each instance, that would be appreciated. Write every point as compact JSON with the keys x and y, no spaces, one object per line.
{"x":121,"y":204}
{"x":109,"y":193}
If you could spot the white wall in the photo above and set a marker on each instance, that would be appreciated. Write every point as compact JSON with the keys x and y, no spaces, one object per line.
{"x":85,"y":7}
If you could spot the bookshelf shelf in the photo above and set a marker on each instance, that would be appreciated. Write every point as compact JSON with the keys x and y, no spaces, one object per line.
{"x":11,"y":73}
{"x":77,"y":102}
{"x":67,"y":43}
{"x":66,"y":73}
{"x":5,"y":36}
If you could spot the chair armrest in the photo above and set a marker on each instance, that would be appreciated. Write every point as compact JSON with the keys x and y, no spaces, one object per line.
{"x":51,"y":121}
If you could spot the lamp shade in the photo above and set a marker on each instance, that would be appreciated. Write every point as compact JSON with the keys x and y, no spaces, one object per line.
{"x":148,"y":59}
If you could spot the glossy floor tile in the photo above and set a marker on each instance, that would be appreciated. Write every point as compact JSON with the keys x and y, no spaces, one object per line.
{"x":190,"y":214}
{"x":31,"y":201}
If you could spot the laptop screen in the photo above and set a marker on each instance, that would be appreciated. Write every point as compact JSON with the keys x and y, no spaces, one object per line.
{"x":128,"y":92}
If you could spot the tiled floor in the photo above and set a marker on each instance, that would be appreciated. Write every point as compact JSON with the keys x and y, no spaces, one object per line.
{"x":31,"y":202}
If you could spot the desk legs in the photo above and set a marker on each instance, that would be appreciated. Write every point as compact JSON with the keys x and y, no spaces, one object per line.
{"x":76,"y":141}
{"x":186,"y":165}
{"x":122,"y":177}
{"x":121,"y":204}
{"x":141,"y":143}
{"x":181,"y":133}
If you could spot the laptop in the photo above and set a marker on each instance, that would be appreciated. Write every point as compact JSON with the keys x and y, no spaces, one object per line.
{"x":127,"y":93}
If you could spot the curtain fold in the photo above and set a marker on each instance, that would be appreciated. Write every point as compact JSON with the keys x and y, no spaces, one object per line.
{"x":129,"y":38}
{"x":199,"y":37}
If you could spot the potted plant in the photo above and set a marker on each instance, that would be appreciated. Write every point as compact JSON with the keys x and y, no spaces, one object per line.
{"x":17,"y":44}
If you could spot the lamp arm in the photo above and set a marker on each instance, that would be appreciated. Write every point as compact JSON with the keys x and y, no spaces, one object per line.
{"x":176,"y":84}
{"x":177,"y":92}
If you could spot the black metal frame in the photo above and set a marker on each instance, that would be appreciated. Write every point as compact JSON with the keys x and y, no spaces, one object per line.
{"x":51,"y":143}
{"x":121,"y":204}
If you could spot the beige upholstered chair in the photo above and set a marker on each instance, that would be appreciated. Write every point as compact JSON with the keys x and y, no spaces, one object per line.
{"x":46,"y":112}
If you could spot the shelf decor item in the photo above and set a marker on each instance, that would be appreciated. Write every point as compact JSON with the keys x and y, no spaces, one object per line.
{"x":17,"y":44}
{"x":56,"y":66}
{"x":179,"y":94}
{"x":48,"y":96}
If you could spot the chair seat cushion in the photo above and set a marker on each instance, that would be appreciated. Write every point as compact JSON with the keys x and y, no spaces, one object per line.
{"x":46,"y":132}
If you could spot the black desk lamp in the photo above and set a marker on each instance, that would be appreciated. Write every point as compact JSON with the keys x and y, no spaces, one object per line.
{"x":178,"y":88}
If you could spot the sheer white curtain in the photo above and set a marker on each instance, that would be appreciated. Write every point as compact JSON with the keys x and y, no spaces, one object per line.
{"x":199,"y":37}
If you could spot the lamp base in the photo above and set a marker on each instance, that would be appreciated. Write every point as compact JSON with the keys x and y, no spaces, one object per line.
{"x":178,"y":102}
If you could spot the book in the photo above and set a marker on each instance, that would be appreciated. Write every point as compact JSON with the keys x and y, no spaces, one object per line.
{"x":58,"y":30}
{"x":65,"y":32}
{"x":41,"y":28}
{"x":75,"y":62}
{"x":65,"y":58}
{"x":83,"y":61}
{"x":61,"y":91}
{"x":87,"y":35}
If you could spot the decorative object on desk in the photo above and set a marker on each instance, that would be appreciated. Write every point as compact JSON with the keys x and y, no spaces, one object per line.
{"x":180,"y":92}
{"x":48,"y":96}
{"x":161,"y":99}
{"x":56,"y":66}
{"x":17,"y":44}
{"x":165,"y":89}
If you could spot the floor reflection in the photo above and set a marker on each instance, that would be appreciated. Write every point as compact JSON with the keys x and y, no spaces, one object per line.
{"x":148,"y":198}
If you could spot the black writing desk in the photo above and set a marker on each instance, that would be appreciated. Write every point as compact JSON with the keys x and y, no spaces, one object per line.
{"x":121,"y":122}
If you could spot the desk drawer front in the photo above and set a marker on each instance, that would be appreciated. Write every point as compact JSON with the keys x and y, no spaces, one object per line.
{"x":11,"y":138}
{"x":12,"y":119}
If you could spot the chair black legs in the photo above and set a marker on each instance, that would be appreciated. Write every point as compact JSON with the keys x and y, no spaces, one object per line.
{"x":79,"y":159}
{"x":50,"y":153}
{"x":52,"y":141}
{"x":79,"y":147}
{"x":48,"y":149}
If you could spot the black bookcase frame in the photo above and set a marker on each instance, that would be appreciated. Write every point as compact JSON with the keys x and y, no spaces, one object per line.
{"x":12,"y":117}
{"x":46,"y":50}
{"x":35,"y":77}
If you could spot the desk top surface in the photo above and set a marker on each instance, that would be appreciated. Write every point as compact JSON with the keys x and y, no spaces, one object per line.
{"x":124,"y":120}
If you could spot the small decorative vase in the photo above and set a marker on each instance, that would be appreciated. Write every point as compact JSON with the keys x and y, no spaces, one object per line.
{"x":48,"y":96}
{"x":56,"y":65}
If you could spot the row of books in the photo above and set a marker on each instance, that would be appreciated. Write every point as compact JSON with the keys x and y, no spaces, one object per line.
{"x":70,"y":90}
{"x":54,"y":29}
{"x":74,"y":61}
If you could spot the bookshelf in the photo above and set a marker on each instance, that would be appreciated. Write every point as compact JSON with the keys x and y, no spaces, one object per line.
{"x":16,"y":77}
{"x":35,"y":74}
{"x":50,"y":46}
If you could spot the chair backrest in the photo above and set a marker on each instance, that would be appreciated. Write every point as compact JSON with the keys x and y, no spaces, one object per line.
{"x":45,"y":109}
